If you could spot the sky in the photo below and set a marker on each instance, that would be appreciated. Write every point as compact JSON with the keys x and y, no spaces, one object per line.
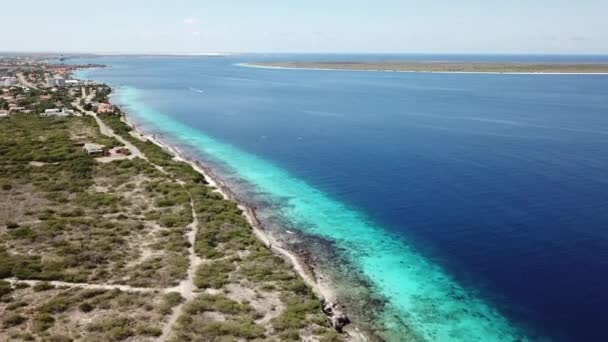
{"x":340,"y":26}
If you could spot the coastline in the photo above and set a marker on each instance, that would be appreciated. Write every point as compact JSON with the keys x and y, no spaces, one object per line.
{"x":302,"y":266}
{"x":375,"y":316}
{"x":250,"y":65}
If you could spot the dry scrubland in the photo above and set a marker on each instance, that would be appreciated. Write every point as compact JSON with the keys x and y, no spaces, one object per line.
{"x":95,"y":251}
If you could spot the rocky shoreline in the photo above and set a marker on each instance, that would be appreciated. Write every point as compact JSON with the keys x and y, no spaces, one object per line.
{"x":300,"y":261}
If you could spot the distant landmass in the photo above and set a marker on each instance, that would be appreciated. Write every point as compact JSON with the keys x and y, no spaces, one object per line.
{"x":482,"y":67}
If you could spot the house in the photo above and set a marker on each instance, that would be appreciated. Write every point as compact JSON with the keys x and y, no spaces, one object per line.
{"x":16,"y":109}
{"x":56,"y":112}
{"x":92,"y":148}
{"x":8,"y":81}
{"x":4,"y":113}
{"x":105,"y":108}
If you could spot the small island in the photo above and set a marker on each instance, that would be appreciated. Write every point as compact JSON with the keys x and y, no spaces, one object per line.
{"x":451,"y":67}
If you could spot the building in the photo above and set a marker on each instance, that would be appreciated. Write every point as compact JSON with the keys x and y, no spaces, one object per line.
{"x":8,"y":81}
{"x":57,"y":112}
{"x":16,"y":109}
{"x":92,"y":148}
{"x":59,"y":81}
{"x":4,"y":114}
{"x":105,"y":108}
{"x":56,"y":81}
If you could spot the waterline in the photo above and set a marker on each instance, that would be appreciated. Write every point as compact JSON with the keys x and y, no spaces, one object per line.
{"x":417,"y":292}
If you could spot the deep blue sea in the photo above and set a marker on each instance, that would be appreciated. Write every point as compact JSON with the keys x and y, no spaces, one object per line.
{"x":475,"y":206}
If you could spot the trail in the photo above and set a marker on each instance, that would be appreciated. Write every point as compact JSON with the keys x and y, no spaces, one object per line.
{"x":186,"y":286}
{"x":25,"y":82}
{"x":125,"y":288}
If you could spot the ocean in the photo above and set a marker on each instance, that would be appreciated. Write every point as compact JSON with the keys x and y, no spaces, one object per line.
{"x":445,"y":207}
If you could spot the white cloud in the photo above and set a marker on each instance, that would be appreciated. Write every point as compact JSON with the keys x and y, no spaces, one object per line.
{"x":190,"y":21}
{"x":196,"y":33}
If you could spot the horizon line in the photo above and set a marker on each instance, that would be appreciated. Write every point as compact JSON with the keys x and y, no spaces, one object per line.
{"x":228,"y":53}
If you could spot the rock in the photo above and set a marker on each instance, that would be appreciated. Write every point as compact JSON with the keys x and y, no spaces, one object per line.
{"x":337,"y":317}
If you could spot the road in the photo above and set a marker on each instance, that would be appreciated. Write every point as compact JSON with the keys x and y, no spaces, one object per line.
{"x":107,"y":131}
{"x":25,"y":82}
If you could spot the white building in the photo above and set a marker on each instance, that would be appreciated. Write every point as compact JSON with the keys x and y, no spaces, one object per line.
{"x":16,"y":109}
{"x":57,"y":112}
{"x":8,"y":81}
{"x":59,"y":81}
{"x":91,"y":148}
{"x":4,"y":113}
{"x":56,"y":81}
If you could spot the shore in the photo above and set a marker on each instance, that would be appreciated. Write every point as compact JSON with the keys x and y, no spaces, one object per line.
{"x":441,"y":68}
{"x":304,"y":268}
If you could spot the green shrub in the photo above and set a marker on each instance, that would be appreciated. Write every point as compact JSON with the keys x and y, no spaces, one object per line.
{"x":214,"y":274}
{"x":12,"y":225}
{"x":170,"y":300}
{"x":115,"y":328}
{"x":219,"y":303}
{"x":56,"y":305}
{"x":43,"y":321}
{"x":15,"y":305}
{"x":148,"y":330}
{"x":241,"y":328}
{"x":86,"y":307}
{"x":5,"y":288}
{"x":60,"y":338}
{"x":43,"y":286}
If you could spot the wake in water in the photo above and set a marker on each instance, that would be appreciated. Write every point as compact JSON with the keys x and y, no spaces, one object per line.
{"x":196,"y":90}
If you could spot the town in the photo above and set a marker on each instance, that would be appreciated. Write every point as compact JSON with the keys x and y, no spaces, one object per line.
{"x":36,"y":87}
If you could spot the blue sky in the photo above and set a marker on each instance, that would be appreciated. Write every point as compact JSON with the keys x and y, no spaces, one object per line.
{"x":435,"y":26}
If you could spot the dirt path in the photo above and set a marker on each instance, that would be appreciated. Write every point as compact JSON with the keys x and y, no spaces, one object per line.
{"x":25,"y":82}
{"x":125,"y":288}
{"x":186,"y":286}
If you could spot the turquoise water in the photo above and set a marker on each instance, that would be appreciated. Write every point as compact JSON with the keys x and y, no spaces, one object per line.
{"x":422,"y":294}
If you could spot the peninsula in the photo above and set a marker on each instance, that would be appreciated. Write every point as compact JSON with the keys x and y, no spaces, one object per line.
{"x":447,"y":67}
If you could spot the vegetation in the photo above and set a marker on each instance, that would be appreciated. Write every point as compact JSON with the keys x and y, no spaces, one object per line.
{"x":68,"y":217}
{"x":59,"y":313}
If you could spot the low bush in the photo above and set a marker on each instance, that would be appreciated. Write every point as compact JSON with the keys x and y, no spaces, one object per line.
{"x":43,"y":286}
{"x":12,"y":320}
{"x":169,"y":301}
{"x":214,"y":274}
{"x":86,"y":307}
{"x":42,"y":322}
